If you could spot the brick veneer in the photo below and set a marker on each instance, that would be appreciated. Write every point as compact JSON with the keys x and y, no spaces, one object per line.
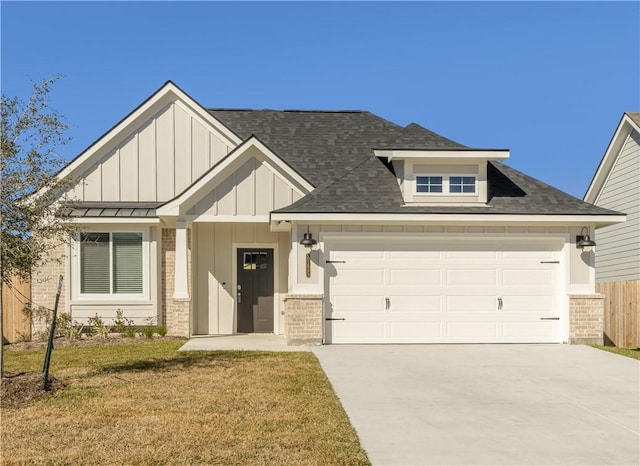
{"x":175,"y":312}
{"x":586,"y":319}
{"x":303,"y":319}
{"x":44,"y":283}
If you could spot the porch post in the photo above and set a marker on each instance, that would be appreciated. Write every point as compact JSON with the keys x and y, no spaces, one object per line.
{"x":181,"y":286}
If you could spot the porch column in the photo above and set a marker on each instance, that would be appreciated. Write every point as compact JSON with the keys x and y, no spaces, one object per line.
{"x":181,"y":285}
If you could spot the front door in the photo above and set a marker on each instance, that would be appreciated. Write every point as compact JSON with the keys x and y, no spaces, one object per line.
{"x":254,"y":294}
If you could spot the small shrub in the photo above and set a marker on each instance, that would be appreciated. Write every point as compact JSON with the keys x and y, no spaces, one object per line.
{"x":121,"y":323}
{"x":161,"y":330}
{"x":98,"y":327}
{"x":148,"y":332}
{"x":130,"y":332}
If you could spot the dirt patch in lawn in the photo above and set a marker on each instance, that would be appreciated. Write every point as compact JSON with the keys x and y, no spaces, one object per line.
{"x":20,"y":389}
{"x":62,"y":342}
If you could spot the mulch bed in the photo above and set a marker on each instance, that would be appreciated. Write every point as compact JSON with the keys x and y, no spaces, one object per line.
{"x":23,"y":388}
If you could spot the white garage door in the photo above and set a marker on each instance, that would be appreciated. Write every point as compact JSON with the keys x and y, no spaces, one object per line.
{"x":442,"y":291}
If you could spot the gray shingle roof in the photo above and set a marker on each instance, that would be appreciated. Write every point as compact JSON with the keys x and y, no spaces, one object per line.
{"x":371,"y":188}
{"x":319,"y":145}
{"x":111,"y":209}
{"x":415,"y":137}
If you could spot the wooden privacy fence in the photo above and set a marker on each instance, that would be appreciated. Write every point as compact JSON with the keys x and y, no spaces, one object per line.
{"x":621,"y":313}
{"x":15,"y":325}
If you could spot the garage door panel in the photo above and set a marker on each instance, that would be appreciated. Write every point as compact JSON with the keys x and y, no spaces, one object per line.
{"x":358,"y":303}
{"x":528,"y":331}
{"x":530,"y":277}
{"x":414,"y":303}
{"x":350,"y":277}
{"x":358,"y":255}
{"x":358,"y":331}
{"x":416,"y":255}
{"x":527,"y":303}
{"x":472,"y":303}
{"x":528,"y":255}
{"x":472,"y":330}
{"x":420,"y":277}
{"x":415,"y":331}
{"x":471,"y":256}
{"x":472,"y":277}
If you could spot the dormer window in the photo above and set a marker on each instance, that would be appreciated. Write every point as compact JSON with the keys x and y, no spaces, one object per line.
{"x":429,"y":184}
{"x":445,"y":184}
{"x":462,"y":184}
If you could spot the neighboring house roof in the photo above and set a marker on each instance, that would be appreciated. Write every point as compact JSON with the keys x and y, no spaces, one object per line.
{"x":630,"y":122}
{"x":111,"y":209}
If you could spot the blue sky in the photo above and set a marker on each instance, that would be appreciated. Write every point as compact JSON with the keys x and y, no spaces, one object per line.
{"x":549,"y":81}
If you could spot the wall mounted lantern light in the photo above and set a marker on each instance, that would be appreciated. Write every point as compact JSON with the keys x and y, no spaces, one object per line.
{"x":583,"y":241}
{"x":308,"y":242}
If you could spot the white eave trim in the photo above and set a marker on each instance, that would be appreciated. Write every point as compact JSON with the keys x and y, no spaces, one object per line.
{"x":200,"y":187}
{"x":624,"y":129}
{"x":598,"y":220}
{"x":483,"y":154}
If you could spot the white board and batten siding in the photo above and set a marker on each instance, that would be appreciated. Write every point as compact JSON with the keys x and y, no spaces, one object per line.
{"x":253,"y":189}
{"x":618,"y":246}
{"x":154,"y":162}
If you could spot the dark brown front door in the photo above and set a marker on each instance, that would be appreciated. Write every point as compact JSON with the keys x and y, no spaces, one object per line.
{"x":254,"y":294}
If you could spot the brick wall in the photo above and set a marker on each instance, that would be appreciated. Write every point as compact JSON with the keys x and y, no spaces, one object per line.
{"x":44,"y":284}
{"x":175,"y":312}
{"x":586,"y":319}
{"x":303,"y":319}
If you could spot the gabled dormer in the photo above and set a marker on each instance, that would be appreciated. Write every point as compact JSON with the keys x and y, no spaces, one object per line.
{"x":432,"y":169}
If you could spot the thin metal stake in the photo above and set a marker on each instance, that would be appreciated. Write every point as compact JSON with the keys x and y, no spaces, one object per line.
{"x":52,"y":332}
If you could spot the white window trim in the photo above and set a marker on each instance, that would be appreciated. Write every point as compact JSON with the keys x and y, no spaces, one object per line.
{"x":112,"y":297}
{"x":445,"y":185}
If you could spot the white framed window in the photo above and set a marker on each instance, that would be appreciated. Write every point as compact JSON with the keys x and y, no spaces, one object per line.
{"x":462,"y":184}
{"x":446,"y":184}
{"x":112,"y":264}
{"x":428,"y":184}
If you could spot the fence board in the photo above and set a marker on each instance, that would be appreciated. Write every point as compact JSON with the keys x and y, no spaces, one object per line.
{"x":621,"y":313}
{"x":15,"y":326}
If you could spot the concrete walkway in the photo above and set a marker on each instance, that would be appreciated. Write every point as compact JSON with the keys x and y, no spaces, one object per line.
{"x":250,"y":342}
{"x":489,"y":404}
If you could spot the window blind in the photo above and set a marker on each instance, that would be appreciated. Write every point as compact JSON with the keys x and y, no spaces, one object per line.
{"x":94,"y":263}
{"x":127,"y":263}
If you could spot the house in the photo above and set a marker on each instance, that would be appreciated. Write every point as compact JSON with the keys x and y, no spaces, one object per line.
{"x":616,"y":186}
{"x":324,"y":226}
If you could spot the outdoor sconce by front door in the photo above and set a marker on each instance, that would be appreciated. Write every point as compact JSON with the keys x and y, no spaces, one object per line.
{"x":583,"y":241}
{"x":308,"y":242}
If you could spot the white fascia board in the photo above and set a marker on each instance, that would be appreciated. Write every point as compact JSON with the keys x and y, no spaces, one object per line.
{"x":201,"y":187}
{"x":488,"y":154}
{"x":112,"y":220}
{"x":598,"y":220}
{"x":624,"y":129}
{"x":227,"y":218}
{"x":168,"y":92}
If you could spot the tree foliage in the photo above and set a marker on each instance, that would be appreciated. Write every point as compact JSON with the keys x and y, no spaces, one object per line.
{"x":31,"y":135}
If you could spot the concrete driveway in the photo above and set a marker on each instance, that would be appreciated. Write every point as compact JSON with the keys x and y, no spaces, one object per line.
{"x":489,"y":404}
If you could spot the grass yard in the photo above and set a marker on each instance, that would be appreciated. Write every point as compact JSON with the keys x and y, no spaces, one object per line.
{"x":630,"y":353}
{"x":149,"y":404}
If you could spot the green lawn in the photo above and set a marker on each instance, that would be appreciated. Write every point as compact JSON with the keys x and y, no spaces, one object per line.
{"x":631,"y":353}
{"x":149,"y":404}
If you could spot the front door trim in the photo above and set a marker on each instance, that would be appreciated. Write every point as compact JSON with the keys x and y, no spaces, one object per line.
{"x":276,"y":284}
